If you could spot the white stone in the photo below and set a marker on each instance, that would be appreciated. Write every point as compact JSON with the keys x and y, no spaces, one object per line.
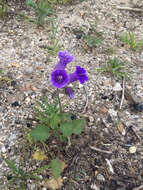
{"x":100,"y":177}
{"x":117,"y":87}
{"x":132,"y":149}
{"x":12,"y":137}
{"x":94,"y":187}
{"x":3,"y":149}
{"x":27,"y":100}
{"x":112,"y":112}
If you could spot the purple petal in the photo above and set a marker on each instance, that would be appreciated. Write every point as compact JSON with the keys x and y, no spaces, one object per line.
{"x":79,"y":74}
{"x":65,"y":57}
{"x":59,"y":78}
{"x":69,"y":91}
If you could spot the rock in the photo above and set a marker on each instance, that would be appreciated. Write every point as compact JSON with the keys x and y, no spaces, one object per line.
{"x":121,"y":128}
{"x":80,"y":85}
{"x":29,"y":70}
{"x":138,"y":106}
{"x":15,"y":104}
{"x":27,"y":100}
{"x":12,"y":137}
{"x":13,"y":83}
{"x":117,"y":87}
{"x":100,"y":177}
{"x":95,"y":187}
{"x":109,"y":119}
{"x":103,"y":109}
{"x":91,"y":119}
{"x":3,"y":149}
{"x":138,"y":188}
{"x":112,"y":112}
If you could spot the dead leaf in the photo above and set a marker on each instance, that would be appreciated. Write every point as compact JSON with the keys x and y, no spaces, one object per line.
{"x":27,"y":86}
{"x":34,"y":88}
{"x":52,"y":183}
{"x":63,"y":165}
{"x":127,"y":46}
{"x":103,"y":109}
{"x":121,"y":128}
{"x":14,"y":64}
{"x":39,"y":67}
{"x":39,"y":155}
{"x":96,"y":173}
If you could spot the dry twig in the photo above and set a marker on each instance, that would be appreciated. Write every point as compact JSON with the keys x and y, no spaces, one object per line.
{"x":135,"y":133}
{"x":129,"y":9}
{"x":99,"y":150}
{"x":110,"y":166}
{"x":138,"y":188}
{"x":123,"y":93}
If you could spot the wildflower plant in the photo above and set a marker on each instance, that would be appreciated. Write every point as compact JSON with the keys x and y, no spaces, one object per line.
{"x":54,"y":122}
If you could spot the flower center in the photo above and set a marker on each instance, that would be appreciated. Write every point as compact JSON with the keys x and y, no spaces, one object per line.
{"x":59,"y":78}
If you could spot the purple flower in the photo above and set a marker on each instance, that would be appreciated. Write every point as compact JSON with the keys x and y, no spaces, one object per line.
{"x":69,"y":91}
{"x":65,"y":58}
{"x":59,"y":78}
{"x":79,"y":74}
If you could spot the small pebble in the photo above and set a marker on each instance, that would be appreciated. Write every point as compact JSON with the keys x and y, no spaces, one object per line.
{"x":112,"y":112}
{"x":103,"y":96}
{"x":73,"y":117}
{"x":44,"y":188}
{"x":13,"y":83}
{"x":27,"y":100}
{"x":91,"y":119}
{"x":109,"y":119}
{"x":132,"y":149}
{"x":138,"y":107}
{"x":100,"y":177}
{"x":12,"y":137}
{"x":29,"y":70}
{"x":95,"y":187}
{"x":14,"y":104}
{"x":29,"y":125}
{"x":9,"y":177}
{"x":3,"y":149}
{"x":80,"y":86}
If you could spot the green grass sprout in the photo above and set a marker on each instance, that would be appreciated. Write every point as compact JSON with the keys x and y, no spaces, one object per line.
{"x":129,"y":39}
{"x":115,"y":67}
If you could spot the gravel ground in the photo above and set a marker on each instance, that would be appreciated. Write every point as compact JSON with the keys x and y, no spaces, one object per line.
{"x":102,"y":156}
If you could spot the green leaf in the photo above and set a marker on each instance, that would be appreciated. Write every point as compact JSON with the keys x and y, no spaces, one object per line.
{"x":66,"y":116}
{"x":55,"y":119}
{"x":78,"y":125}
{"x":31,"y":3}
{"x":11,"y":165}
{"x":56,"y":167}
{"x":40,"y":133}
{"x":66,"y":129}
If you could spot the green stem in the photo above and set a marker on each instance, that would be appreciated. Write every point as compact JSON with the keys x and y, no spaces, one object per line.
{"x":60,"y":106}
